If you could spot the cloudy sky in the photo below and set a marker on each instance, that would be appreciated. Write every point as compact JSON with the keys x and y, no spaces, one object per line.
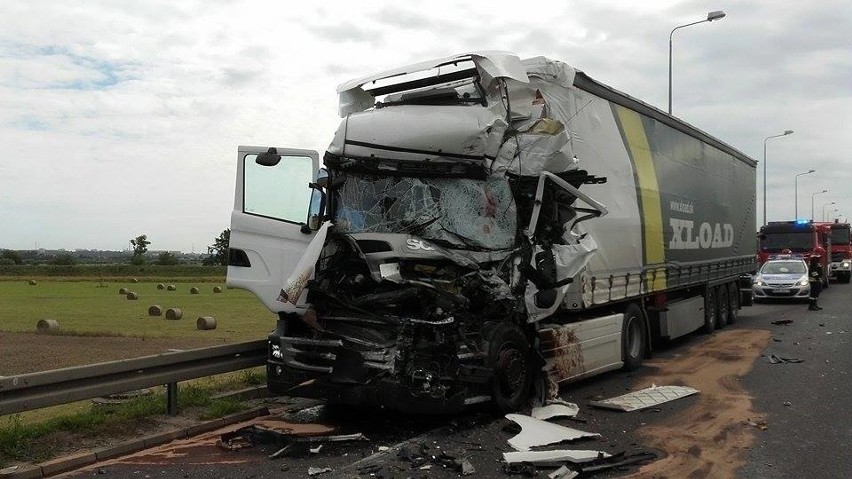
{"x":123,"y":118}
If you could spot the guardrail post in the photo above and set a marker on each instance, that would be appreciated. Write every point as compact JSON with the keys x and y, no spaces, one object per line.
{"x":172,"y":399}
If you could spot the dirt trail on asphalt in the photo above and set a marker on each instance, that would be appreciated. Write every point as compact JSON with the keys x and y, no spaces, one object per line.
{"x":711,"y":438}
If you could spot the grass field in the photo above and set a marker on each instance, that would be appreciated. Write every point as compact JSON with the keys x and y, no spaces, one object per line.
{"x":92,"y":307}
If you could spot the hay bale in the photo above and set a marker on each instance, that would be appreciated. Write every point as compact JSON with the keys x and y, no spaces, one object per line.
{"x":174,"y":313}
{"x":193,"y":290}
{"x":155,"y":310}
{"x":134,"y":280}
{"x":33,"y":282}
{"x":132,"y":296}
{"x":46,"y":325}
{"x":123,"y":291}
{"x":205,"y":323}
{"x":217,"y":289}
{"x":160,"y":286}
{"x":171,"y":287}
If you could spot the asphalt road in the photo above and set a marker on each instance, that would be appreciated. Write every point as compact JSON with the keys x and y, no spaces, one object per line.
{"x":808,"y":432}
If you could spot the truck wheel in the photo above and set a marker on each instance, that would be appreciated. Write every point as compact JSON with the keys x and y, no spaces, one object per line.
{"x":709,"y":311}
{"x":633,"y":338}
{"x":721,"y":306}
{"x":733,"y":303}
{"x":510,"y":359}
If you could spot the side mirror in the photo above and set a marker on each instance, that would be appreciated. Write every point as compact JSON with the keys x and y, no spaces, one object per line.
{"x":270,"y":158}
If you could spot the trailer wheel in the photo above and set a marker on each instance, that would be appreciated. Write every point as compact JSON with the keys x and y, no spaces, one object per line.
{"x":709,"y":311}
{"x":633,"y":338}
{"x":509,"y":357}
{"x":733,"y":303}
{"x":722,"y":307}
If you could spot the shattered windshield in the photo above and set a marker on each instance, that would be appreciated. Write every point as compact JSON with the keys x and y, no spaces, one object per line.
{"x":457,"y":212}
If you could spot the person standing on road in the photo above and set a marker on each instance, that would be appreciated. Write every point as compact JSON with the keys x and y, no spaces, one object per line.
{"x":816,"y":276}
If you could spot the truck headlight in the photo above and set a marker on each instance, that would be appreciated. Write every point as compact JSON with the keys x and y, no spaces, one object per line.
{"x":845,"y":264}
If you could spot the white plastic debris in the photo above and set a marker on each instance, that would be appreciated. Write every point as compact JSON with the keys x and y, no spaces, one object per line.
{"x":535,"y":432}
{"x":553,"y":458}
{"x":645,"y":398}
{"x":557,"y":408}
{"x":563,"y":473}
{"x":316,"y":471}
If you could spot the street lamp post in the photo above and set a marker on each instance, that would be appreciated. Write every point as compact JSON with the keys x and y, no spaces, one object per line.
{"x":823,"y":208}
{"x":796,"y":189}
{"x":715,"y":15}
{"x":812,"y":202}
{"x":786,"y":132}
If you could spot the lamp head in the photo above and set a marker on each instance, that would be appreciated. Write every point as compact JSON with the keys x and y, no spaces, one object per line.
{"x":786,"y":132}
{"x":715,"y":15}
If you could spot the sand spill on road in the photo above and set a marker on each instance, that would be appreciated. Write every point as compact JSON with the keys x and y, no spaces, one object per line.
{"x":711,"y":438}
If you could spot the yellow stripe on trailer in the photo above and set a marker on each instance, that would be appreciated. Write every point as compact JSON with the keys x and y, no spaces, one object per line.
{"x":649,"y":194}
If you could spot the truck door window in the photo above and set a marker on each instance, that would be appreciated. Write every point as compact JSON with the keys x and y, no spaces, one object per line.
{"x":279,"y":192}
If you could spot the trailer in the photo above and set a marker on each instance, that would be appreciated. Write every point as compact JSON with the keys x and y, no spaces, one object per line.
{"x":483,"y":226}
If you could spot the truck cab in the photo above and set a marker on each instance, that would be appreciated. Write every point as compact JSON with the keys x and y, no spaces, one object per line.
{"x":841,"y":251}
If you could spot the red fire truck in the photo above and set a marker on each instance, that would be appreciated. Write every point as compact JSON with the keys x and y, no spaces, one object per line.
{"x":841,"y":250}
{"x":801,"y":238}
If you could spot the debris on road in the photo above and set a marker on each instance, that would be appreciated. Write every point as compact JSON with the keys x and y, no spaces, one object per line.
{"x":563,"y":473}
{"x":554,"y":457}
{"x":535,"y":432}
{"x":296,"y":438}
{"x":783,"y":322}
{"x":316,"y":471}
{"x":774,"y":359}
{"x":616,"y":461}
{"x":520,"y":469}
{"x":645,"y":398}
{"x":758,"y":424}
{"x":555,"y":408}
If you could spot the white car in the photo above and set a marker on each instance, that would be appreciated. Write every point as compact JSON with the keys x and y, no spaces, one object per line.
{"x":782,"y":278}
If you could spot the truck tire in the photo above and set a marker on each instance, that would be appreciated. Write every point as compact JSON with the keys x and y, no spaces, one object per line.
{"x":633,"y":337}
{"x":510,"y":359}
{"x":709,"y":311}
{"x":722,"y":307}
{"x":733,"y":303}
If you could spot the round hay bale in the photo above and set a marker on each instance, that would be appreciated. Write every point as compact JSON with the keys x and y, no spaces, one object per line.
{"x":155,"y":310}
{"x":171,"y":287}
{"x":33,"y":282}
{"x":134,"y":280}
{"x":193,"y":290}
{"x":174,"y":313}
{"x":123,"y":291}
{"x":205,"y":323}
{"x":217,"y":289}
{"x":160,"y":286}
{"x":132,"y":296}
{"x":45,"y":325}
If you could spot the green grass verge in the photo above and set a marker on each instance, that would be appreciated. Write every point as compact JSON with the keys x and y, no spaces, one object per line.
{"x":111,"y":271}
{"x":93,"y":308}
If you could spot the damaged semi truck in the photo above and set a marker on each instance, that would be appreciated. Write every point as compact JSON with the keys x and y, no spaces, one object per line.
{"x":484,"y":227}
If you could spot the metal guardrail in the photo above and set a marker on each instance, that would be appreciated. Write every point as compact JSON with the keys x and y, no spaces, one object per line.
{"x":61,"y":386}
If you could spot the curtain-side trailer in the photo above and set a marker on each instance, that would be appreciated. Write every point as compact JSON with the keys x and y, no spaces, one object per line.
{"x":483,"y":224}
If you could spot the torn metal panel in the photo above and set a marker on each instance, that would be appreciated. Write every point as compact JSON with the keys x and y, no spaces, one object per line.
{"x":555,"y":409}
{"x":535,"y":432}
{"x":552,"y":458}
{"x":652,"y":396}
{"x":297,"y":281}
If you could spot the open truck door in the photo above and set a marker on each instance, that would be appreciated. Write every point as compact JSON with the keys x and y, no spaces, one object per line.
{"x":269,"y":224}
